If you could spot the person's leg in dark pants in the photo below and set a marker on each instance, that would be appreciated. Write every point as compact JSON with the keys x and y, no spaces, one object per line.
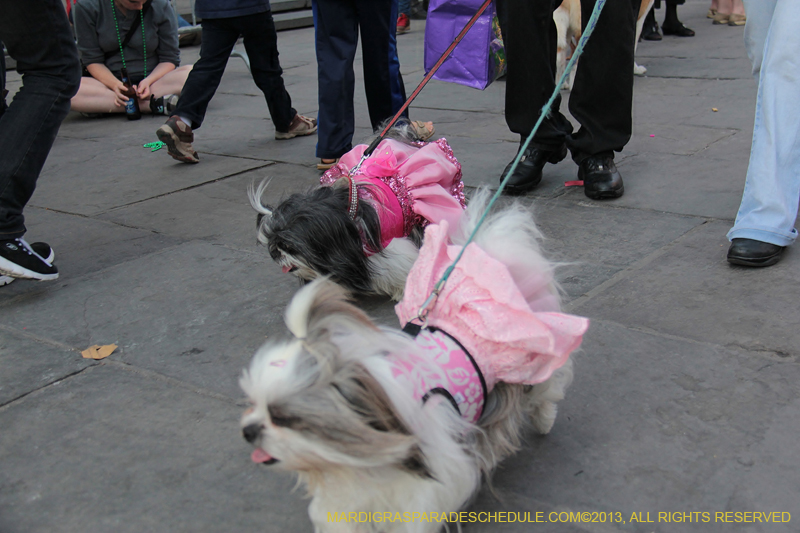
{"x":336,"y":28}
{"x":219,"y":38}
{"x":382,"y":81}
{"x":602,"y":97}
{"x":530,"y":39}
{"x":38,"y":37}
{"x":3,"y":91}
{"x":672,"y":24}
{"x":261,"y":44}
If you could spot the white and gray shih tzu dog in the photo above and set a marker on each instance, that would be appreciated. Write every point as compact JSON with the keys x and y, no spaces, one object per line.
{"x":364,"y":230}
{"x":378,"y":420}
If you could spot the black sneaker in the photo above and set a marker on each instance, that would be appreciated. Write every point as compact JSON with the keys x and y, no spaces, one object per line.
{"x":41,"y":248}
{"x":18,"y":259}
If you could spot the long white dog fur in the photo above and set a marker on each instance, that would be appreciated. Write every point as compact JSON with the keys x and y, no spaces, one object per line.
{"x":326,"y":405}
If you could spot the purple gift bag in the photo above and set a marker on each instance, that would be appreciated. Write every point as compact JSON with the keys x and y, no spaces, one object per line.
{"x":479,"y":58}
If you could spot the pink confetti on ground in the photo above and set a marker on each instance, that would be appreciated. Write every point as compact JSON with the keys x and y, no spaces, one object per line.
{"x":652,"y":135}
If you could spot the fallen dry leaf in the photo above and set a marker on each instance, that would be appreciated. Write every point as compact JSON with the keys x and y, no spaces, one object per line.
{"x":98,"y":352}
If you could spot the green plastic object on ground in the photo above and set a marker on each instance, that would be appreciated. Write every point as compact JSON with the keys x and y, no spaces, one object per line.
{"x":154,"y":146}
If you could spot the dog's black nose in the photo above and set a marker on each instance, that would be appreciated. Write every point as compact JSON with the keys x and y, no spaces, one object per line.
{"x":251,"y":432}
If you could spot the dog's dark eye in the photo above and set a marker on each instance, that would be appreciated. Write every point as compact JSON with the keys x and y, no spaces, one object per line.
{"x":282,"y":420}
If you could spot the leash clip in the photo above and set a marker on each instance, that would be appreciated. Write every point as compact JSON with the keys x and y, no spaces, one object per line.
{"x":356,"y":168}
{"x":429,"y":303}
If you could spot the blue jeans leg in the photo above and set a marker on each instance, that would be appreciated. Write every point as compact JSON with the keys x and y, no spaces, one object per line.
{"x":772,"y":190}
{"x":404,"y":6}
{"x":37,"y":35}
{"x":336,"y":40}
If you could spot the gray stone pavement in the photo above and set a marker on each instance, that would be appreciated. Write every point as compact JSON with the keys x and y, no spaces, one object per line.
{"x":686,"y":392}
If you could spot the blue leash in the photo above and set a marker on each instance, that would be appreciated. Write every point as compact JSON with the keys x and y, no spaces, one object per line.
{"x":598,"y":7}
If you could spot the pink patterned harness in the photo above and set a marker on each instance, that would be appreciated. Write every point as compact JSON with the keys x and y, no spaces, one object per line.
{"x":442,"y":366}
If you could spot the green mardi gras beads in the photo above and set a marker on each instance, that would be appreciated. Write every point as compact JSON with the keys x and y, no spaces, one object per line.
{"x":119,"y":41}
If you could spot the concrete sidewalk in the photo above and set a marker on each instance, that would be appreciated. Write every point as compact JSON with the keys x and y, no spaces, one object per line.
{"x":686,"y":394}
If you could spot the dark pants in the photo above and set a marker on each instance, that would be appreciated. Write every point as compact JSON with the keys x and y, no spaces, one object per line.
{"x":337,"y":25}
{"x":37,"y":35}
{"x":602,"y":95}
{"x":261,"y":45}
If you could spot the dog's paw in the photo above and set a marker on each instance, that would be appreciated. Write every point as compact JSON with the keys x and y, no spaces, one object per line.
{"x":544,"y":416}
{"x":639,"y":70}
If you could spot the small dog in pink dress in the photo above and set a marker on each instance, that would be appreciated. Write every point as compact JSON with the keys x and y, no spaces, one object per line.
{"x":381,"y":421}
{"x":364,"y":230}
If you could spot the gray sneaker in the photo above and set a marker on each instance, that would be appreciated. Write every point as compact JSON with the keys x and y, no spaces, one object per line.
{"x":178,"y":137}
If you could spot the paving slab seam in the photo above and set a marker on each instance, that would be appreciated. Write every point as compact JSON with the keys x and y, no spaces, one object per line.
{"x":583,"y":202}
{"x":173,"y":381}
{"x":189,"y":188}
{"x":476,"y":111}
{"x":772,"y":356}
{"x":36,"y":338}
{"x":667,"y":56}
{"x":92,"y":218}
{"x":32,"y":294}
{"x":244,"y":157}
{"x":692,"y":78}
{"x":706,"y":147}
{"x":575,"y":304}
{"x":281,"y":162}
{"x":8,"y":404}
{"x":81,"y":139}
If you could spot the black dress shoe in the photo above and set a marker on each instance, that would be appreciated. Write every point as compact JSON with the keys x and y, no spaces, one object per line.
{"x":677,"y":29}
{"x":601,"y":179}
{"x":528,"y":173}
{"x":753,"y":253}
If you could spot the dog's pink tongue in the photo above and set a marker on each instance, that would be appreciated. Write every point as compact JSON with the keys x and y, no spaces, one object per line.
{"x":260,"y":456}
{"x":285,"y":269}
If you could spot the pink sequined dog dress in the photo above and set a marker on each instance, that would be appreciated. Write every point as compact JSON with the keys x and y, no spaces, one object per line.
{"x":411,"y":185}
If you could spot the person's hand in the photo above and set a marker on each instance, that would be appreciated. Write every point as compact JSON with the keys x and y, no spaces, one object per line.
{"x":143,"y":89}
{"x":119,"y":94}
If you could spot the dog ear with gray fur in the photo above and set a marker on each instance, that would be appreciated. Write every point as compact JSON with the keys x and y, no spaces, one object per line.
{"x":321,"y":308}
{"x":371,"y":403}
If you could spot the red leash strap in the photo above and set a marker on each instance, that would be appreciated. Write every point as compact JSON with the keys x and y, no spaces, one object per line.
{"x":428,"y":77}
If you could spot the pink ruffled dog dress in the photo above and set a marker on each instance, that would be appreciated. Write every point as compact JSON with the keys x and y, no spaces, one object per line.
{"x":482,"y":330}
